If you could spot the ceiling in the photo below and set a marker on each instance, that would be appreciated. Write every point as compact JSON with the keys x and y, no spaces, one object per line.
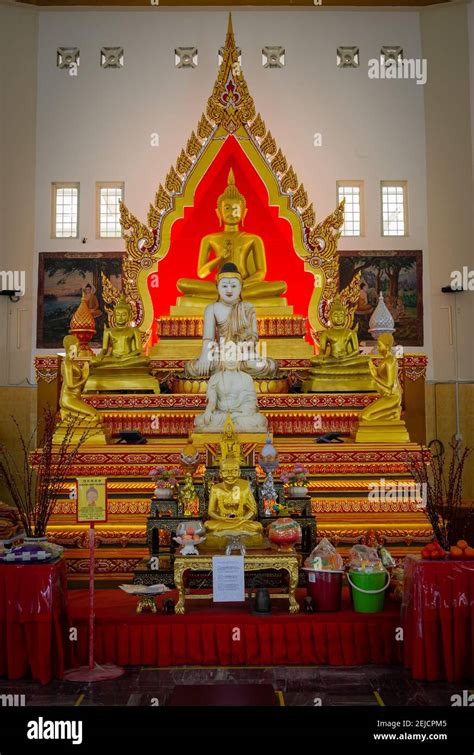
{"x":236,"y":3}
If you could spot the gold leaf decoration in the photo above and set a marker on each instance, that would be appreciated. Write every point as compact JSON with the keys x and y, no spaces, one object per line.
{"x":204,"y":129}
{"x":193,"y":146}
{"x":153,"y":217}
{"x":173,"y":182}
{"x":308,"y":216}
{"x":247,"y":110}
{"x":279,"y":164}
{"x":162,"y":199}
{"x":268,"y":144}
{"x":214,"y":111}
{"x":258,"y":127}
{"x":183,"y":163}
{"x":300,"y":197}
{"x":289,"y":182}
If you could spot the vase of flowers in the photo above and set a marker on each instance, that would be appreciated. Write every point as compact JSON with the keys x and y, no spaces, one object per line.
{"x":35,"y":477}
{"x":166,"y":481}
{"x":297,"y":481}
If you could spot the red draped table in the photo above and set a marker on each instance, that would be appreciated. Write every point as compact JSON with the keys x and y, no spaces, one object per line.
{"x":33,"y":620}
{"x":438,"y":616}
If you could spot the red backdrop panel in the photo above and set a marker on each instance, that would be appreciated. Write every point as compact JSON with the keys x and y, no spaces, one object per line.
{"x":263,"y":220}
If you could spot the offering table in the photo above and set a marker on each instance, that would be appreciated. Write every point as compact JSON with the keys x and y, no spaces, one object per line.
{"x":254,"y":560}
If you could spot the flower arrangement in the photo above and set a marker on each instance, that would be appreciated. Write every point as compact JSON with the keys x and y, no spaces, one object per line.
{"x":35,"y":477}
{"x":296,"y":477}
{"x":441,"y":479}
{"x":164,"y":477}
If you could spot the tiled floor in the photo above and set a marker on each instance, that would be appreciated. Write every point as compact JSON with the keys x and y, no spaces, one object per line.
{"x":300,"y":686}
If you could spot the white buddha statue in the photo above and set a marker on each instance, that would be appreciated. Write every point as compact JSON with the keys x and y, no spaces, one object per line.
{"x":231,"y":392}
{"x":230,"y":332}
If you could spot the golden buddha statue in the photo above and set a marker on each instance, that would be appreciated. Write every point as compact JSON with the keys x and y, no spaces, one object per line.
{"x":229,"y":444}
{"x":245,"y":250}
{"x":77,"y":417}
{"x":232,"y":509}
{"x":380,"y":422}
{"x":121,"y":364}
{"x":339,"y":367}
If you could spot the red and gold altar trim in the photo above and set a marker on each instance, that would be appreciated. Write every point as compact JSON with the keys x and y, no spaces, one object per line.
{"x":413,"y":366}
{"x":46,"y":368}
{"x":268,"y":327}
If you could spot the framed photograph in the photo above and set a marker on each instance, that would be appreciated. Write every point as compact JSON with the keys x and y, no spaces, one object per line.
{"x":62,"y":277}
{"x":91,"y":499}
{"x":399,"y":275}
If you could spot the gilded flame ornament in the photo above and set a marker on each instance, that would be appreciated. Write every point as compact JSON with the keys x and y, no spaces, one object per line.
{"x":82,"y":326}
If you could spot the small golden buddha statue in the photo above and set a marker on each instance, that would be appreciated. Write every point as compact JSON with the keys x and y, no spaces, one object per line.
{"x":245,"y":250}
{"x":232,"y":509}
{"x":229,"y":444}
{"x":381,"y":421}
{"x":121,"y":364}
{"x":77,"y":417}
{"x":339,"y":367}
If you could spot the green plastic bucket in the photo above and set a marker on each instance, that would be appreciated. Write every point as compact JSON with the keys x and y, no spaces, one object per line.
{"x":368,"y":590}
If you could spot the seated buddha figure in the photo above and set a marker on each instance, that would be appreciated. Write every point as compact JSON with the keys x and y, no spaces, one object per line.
{"x":230,"y":331}
{"x":381,"y":421}
{"x":232,"y":509}
{"x":245,"y":250}
{"x":339,"y":366}
{"x":231,"y":393}
{"x":121,"y":364}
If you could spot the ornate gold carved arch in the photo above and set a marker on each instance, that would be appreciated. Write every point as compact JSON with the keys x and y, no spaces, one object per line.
{"x":231,"y":111}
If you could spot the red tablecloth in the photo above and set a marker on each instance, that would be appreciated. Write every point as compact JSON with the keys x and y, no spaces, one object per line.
{"x":438,"y":614}
{"x":204,"y":636}
{"x":33,"y":620}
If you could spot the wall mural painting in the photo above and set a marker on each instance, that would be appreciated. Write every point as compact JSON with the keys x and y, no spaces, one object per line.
{"x":399,"y":275}
{"x":62,"y":277}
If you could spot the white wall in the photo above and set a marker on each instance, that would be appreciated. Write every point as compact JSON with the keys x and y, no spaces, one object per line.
{"x":449,"y":183}
{"x":18,"y":61}
{"x":470,"y":17}
{"x":97,"y":126}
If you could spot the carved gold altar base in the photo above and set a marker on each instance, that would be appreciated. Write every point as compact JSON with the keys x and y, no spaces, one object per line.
{"x":281,"y":348}
{"x":135,"y":379}
{"x":338,"y":382}
{"x":95,"y":436}
{"x":382,"y":432}
{"x":255,"y":561}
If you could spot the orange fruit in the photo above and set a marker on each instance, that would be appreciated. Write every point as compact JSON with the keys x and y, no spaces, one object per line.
{"x":455,"y":552}
{"x":462,"y":544}
{"x":469,"y":552}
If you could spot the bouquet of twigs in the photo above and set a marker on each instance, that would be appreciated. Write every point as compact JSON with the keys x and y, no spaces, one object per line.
{"x":36,"y":477}
{"x":440,"y":480}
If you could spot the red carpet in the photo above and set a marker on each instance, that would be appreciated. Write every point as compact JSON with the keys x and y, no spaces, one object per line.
{"x":204,"y":635}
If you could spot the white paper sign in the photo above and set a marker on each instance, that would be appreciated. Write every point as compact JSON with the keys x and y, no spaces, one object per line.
{"x":228,"y":580}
